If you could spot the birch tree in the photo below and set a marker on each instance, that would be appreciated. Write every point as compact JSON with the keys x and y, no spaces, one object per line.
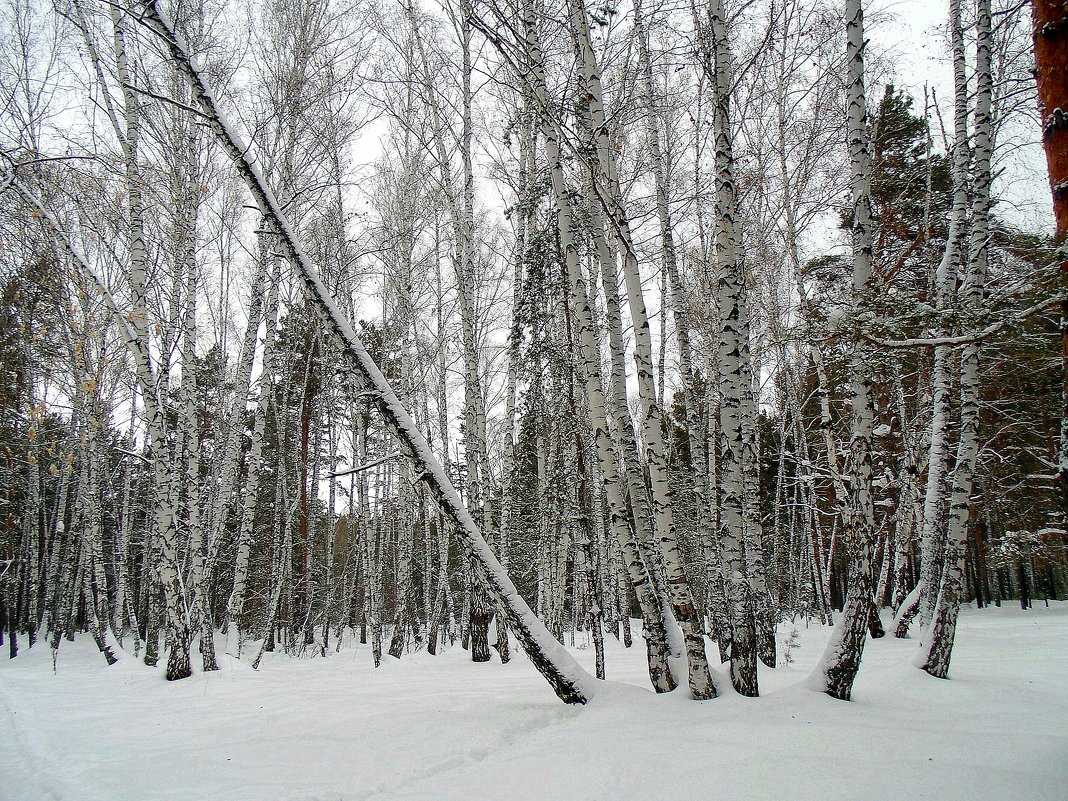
{"x":841,"y":659}
{"x":570,"y":682}
{"x":939,"y":641}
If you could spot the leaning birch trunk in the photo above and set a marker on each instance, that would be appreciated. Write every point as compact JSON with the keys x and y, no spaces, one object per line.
{"x":162,"y":543}
{"x":841,"y":659}
{"x":938,"y":646}
{"x":618,"y":411}
{"x":570,"y":682}
{"x":637,"y":570}
{"x":164,"y":526}
{"x":680,"y":315}
{"x":606,"y":186}
{"x":641,"y":502}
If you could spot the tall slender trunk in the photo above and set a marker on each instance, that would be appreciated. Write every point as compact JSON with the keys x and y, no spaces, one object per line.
{"x":523,"y":232}
{"x":939,"y":640}
{"x":735,"y":370}
{"x":933,"y":534}
{"x":94,"y":579}
{"x":637,"y":569}
{"x":124,"y":617}
{"x":227,"y":478}
{"x":187,"y":190}
{"x":669,"y":256}
{"x":841,"y":659}
{"x":606,"y":188}
{"x":475,"y":448}
{"x":235,"y":606}
{"x":464,"y":257}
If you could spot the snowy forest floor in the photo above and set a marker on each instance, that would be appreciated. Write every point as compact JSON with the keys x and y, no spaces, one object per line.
{"x":444,"y":729}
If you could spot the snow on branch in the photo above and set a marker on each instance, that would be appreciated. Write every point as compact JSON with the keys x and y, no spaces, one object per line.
{"x":965,"y":339}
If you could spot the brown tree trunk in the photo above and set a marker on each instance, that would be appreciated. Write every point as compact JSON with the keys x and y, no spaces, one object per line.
{"x":481,"y":615}
{"x":1051,"y":75}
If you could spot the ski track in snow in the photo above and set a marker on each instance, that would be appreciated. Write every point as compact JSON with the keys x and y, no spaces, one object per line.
{"x":442,"y":729}
{"x":464,"y":760}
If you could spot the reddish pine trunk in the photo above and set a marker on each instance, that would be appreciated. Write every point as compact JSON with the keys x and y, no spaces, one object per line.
{"x":1051,"y":61}
{"x":1051,"y":74}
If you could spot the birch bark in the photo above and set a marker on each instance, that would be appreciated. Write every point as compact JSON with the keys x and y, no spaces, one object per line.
{"x":735,"y":371}
{"x":570,"y":682}
{"x":605,"y":185}
{"x":637,"y":570}
{"x":933,"y":536}
{"x":939,"y":640}
{"x":841,"y":659}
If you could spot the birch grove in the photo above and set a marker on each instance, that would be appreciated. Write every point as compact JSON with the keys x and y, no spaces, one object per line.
{"x":413,"y":327}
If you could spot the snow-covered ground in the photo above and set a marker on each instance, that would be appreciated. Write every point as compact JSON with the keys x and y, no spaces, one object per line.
{"x":441,"y":728}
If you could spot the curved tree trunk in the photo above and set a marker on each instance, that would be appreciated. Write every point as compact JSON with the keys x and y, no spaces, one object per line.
{"x":607,"y":193}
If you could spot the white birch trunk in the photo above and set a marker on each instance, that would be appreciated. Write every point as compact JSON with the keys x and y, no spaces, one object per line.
{"x":734,"y":370}
{"x":841,"y":659}
{"x":605,"y":186}
{"x":933,"y":534}
{"x":637,"y":569}
{"x":938,"y":645}
{"x":571,"y":683}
